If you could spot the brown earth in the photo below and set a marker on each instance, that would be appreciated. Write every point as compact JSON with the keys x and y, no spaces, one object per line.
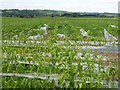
{"x":113,"y":63}
{"x":113,"y":55}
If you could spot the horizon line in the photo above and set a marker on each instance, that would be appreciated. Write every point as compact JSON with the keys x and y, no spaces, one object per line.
{"x":58,"y":10}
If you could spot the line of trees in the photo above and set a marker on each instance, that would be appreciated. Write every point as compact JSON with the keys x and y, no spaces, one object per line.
{"x":52,"y":13}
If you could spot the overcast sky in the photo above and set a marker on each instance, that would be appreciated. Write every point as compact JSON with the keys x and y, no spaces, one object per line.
{"x":66,"y":5}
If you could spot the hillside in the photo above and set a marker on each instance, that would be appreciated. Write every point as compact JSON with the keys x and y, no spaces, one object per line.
{"x":37,"y":13}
